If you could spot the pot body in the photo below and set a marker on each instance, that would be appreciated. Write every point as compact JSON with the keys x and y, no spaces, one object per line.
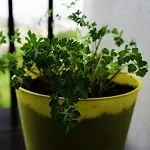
{"x":103,"y":124}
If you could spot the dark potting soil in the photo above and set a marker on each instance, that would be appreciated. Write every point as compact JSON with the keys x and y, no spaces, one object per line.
{"x":106,"y":132}
{"x":114,"y":89}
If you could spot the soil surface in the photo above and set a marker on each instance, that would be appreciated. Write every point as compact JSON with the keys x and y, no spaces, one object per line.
{"x":106,"y":132}
{"x":114,"y":89}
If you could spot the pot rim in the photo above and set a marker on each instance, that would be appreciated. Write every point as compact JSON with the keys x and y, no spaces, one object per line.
{"x":95,"y":99}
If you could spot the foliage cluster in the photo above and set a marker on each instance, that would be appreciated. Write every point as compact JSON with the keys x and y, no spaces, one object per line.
{"x":70,"y":68}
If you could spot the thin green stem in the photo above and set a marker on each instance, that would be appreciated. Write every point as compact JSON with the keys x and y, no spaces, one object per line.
{"x":99,"y":62}
{"x":110,"y":80}
{"x":98,"y":44}
{"x":78,"y":32}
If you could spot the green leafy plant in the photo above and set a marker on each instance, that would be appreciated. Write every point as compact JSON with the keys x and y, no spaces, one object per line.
{"x":73,"y":69}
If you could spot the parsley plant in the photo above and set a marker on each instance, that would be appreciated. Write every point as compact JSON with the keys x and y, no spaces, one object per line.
{"x":72,"y":69}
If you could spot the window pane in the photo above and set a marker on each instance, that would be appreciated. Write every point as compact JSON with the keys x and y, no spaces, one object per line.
{"x":60,"y":8}
{"x":30,"y":14}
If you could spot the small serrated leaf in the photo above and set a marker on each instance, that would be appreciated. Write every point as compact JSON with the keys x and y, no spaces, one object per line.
{"x":114,"y":31}
{"x":113,"y":53}
{"x":135,"y":50}
{"x":142,"y":63}
{"x":142,"y":72}
{"x":132,"y":68}
{"x":107,"y":59}
{"x":16,"y":82}
{"x":105,"y":51}
{"x":132,"y":43}
{"x":118,"y":41}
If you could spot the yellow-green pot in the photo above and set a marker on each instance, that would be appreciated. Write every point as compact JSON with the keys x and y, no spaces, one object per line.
{"x":103,"y":124}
